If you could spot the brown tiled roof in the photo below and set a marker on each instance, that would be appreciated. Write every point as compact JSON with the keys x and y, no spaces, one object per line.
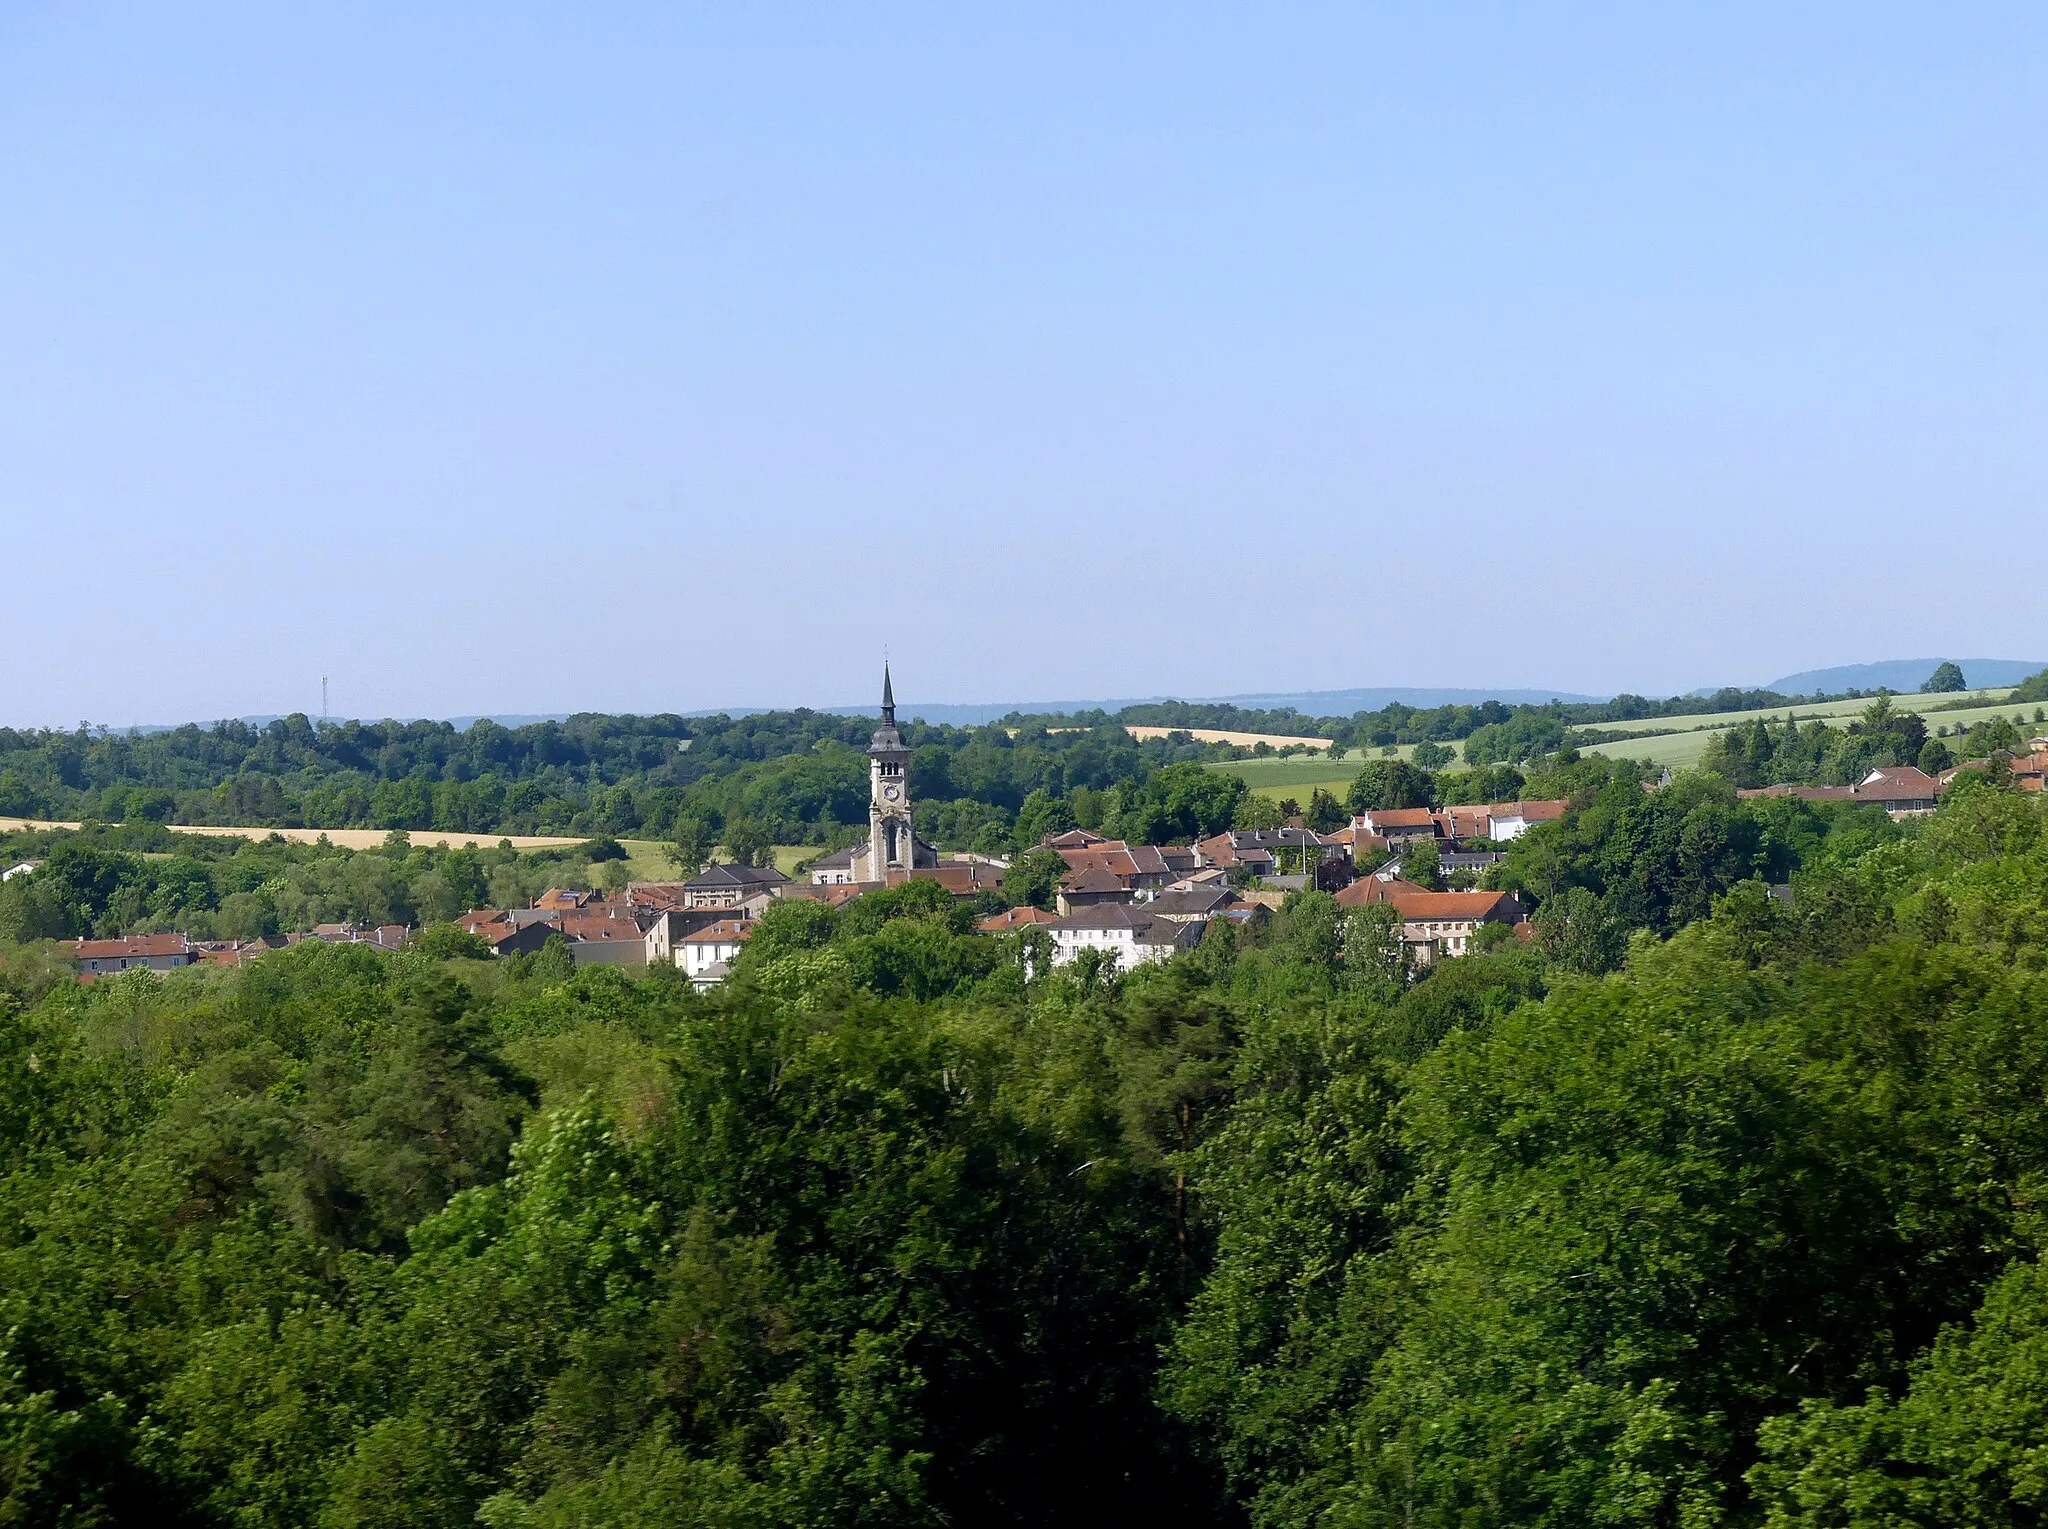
{"x":655,"y":895}
{"x":1015,"y":918}
{"x":1370,"y":889}
{"x":1094,"y":878}
{"x":724,"y":932}
{"x":1465,"y":822}
{"x":832,"y":894}
{"x":1400,"y":817}
{"x":1416,"y":905}
{"x":1804,"y":793}
{"x":1535,"y":812}
{"x":133,"y":947}
{"x":1073,"y":838}
{"x":963,"y":878}
{"x":1898,"y":783}
{"x":591,"y":924}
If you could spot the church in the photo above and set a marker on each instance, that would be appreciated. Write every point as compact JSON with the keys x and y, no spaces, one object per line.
{"x":893,"y":849}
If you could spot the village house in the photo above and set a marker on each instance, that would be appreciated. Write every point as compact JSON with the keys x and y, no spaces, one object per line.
{"x":727,"y":886}
{"x":1398,"y":826}
{"x":1091,"y":886}
{"x":659,"y":938}
{"x":1138,"y":868}
{"x":1510,"y":820}
{"x":148,"y":952}
{"x":1194,"y":904}
{"x":1129,"y":933}
{"x":1435,"y":924}
{"x":1220,"y":852}
{"x":706,"y":956}
{"x":1903,"y":791}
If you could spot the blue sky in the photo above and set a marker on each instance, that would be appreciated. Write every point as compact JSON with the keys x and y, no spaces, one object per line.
{"x":502,"y":358}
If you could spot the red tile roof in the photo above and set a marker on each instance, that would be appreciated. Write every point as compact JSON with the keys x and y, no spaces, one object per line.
{"x":132,"y":947}
{"x":1015,"y":918}
{"x":1418,"y":906}
{"x":1533,"y":812}
{"x":1898,"y":783}
{"x":1399,"y":817}
{"x":724,"y":932}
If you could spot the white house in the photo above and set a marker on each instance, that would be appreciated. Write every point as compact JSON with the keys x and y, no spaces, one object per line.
{"x":706,"y":955}
{"x":1131,"y":935}
{"x":1510,"y":820}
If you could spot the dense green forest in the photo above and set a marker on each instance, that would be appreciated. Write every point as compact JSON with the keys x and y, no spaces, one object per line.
{"x":1704,"y":1206}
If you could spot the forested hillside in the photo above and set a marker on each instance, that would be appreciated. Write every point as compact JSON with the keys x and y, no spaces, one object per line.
{"x":1702,"y":1207}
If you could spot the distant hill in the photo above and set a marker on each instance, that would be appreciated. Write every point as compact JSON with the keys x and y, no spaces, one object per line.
{"x":1905,"y":675}
{"x":1313,"y":703}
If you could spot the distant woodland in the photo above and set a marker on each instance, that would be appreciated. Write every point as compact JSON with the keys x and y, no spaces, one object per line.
{"x":796,"y":777}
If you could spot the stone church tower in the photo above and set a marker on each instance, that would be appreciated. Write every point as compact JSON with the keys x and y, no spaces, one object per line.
{"x":892,"y":846}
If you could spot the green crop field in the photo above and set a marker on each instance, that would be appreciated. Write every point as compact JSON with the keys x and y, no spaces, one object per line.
{"x":1298,"y":776}
{"x":647,"y":860}
{"x":1832,"y":711}
{"x":1683,"y":749}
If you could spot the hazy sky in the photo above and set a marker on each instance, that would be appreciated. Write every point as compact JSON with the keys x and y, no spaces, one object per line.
{"x":523,"y":358}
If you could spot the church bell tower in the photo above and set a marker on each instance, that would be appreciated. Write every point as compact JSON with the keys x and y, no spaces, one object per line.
{"x":892,"y":846}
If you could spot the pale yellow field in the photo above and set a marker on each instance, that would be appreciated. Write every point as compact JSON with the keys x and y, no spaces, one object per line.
{"x":1221,"y":735}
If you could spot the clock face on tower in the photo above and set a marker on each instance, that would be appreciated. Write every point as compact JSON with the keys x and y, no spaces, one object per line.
{"x":891,"y":792}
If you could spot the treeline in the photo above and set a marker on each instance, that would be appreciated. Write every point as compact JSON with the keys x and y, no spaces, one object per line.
{"x":142,"y":880}
{"x":901,"y":1227}
{"x":1773,"y":751}
{"x":1399,"y":723}
{"x":801,"y":774}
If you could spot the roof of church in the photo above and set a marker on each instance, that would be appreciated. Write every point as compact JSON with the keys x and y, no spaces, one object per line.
{"x":886,"y":737}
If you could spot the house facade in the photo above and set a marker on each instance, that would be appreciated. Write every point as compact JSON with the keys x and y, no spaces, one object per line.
{"x":149,"y":952}
{"x":1130,"y":934}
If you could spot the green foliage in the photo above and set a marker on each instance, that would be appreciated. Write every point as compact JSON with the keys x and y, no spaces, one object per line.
{"x":1422,"y":863}
{"x":1386,"y":784}
{"x":1032,"y":878}
{"x":1705,"y":1206}
{"x":2033,"y":688}
{"x":1526,"y":736}
{"x":1325,"y":813}
{"x":1946,"y":677}
{"x":1763,"y":752}
{"x":448,"y":942}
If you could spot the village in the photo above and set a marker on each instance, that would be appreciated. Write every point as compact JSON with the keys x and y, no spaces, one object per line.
{"x":1135,"y":903}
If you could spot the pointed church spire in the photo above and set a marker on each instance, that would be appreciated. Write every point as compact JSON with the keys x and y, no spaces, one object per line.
{"x":888,"y":698}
